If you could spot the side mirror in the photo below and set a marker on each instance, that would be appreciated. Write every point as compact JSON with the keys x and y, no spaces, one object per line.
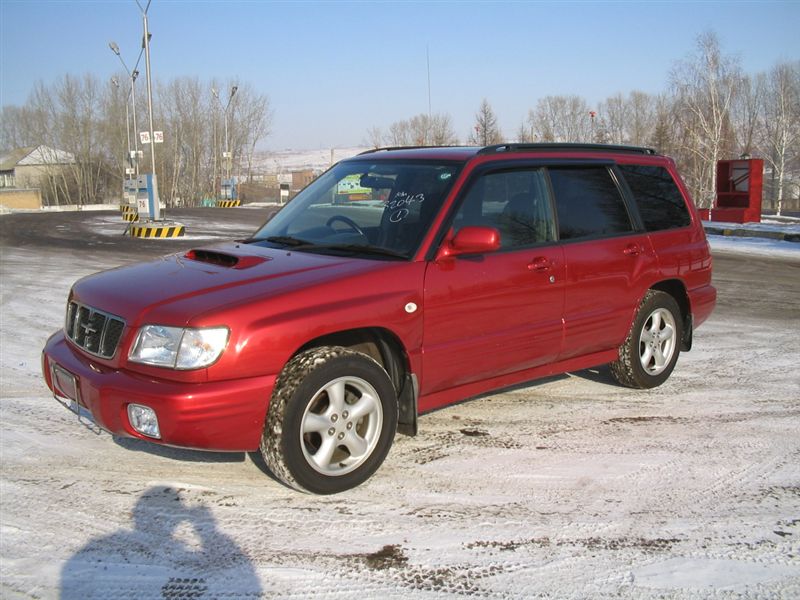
{"x":470,"y":240}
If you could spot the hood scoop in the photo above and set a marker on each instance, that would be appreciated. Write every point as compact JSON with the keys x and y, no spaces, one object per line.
{"x":223,"y":259}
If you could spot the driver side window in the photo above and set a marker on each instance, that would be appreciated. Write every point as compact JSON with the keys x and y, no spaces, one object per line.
{"x":515,"y":203}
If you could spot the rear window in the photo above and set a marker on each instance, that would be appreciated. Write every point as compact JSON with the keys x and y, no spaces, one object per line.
{"x":588,"y":203}
{"x":660,"y":202}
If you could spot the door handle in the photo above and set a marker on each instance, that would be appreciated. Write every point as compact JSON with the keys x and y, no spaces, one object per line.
{"x":632,"y":250}
{"x":540,"y":264}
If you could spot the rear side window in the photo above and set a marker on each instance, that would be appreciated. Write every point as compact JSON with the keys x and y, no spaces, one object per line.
{"x":660,"y":202}
{"x":588,"y":203}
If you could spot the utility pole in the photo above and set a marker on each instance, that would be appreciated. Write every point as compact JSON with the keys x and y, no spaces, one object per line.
{"x":154,"y":202}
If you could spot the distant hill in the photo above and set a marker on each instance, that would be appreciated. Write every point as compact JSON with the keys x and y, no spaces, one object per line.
{"x":285,"y":161}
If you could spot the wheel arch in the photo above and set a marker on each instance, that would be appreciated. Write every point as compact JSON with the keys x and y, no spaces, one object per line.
{"x":677,"y":289}
{"x":388,"y":351}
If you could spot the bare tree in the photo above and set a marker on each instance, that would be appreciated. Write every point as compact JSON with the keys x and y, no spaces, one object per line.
{"x":642,"y":117}
{"x":781,"y":124}
{"x":627,"y":120}
{"x":18,"y":128}
{"x":399,"y":134}
{"x":665,"y":128}
{"x":525,"y":133}
{"x":254,"y":123}
{"x":745,"y":112}
{"x":486,"y":131}
{"x":441,"y":130}
{"x":615,"y":114}
{"x":704,"y":87}
{"x":561,"y":119}
{"x":419,"y":127}
{"x":183,"y":113}
{"x":419,"y":130}
{"x":375,"y":137}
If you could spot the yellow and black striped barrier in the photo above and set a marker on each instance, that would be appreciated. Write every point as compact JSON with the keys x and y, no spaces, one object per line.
{"x":152,"y":230}
{"x":131,"y":217}
{"x":228,"y":203}
{"x":127,"y":209}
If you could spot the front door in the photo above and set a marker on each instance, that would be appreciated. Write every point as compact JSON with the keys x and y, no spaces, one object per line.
{"x":496,"y":313}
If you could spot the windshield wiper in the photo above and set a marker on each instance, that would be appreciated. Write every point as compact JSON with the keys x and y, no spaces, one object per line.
{"x":287,"y":240}
{"x":360,"y":249}
{"x":300,"y":244}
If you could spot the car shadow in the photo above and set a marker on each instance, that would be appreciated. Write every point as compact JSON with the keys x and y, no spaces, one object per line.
{"x":598,"y":375}
{"x":181,"y":454}
{"x":186,"y":455}
{"x":174,"y":550}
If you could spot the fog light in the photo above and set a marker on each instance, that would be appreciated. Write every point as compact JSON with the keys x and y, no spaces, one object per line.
{"x":143,"y":419}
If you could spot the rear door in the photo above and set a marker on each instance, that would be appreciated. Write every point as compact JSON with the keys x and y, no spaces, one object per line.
{"x":609,"y":257}
{"x":496,"y":313}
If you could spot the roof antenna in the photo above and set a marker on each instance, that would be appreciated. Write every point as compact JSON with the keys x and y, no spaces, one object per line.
{"x":428,"y":56}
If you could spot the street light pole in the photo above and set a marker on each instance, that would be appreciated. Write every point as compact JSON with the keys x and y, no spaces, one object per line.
{"x":132,"y":75}
{"x":127,"y":123}
{"x":225,"y":114}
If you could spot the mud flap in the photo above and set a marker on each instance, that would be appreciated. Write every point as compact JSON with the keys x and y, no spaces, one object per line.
{"x":686,"y":340}
{"x":407,"y":401}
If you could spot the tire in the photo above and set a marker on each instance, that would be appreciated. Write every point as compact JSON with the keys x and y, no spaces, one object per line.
{"x":331,"y":420}
{"x":648,"y":355}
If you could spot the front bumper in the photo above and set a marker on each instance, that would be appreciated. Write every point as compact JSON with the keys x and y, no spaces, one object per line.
{"x":219,"y":415}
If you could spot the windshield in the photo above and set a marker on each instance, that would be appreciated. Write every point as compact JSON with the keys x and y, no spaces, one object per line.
{"x":375,"y":209}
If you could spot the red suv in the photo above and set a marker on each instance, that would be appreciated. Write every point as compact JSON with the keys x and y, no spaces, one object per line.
{"x":399,"y":282}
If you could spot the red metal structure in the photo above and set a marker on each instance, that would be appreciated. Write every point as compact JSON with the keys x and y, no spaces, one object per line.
{"x":739,"y":188}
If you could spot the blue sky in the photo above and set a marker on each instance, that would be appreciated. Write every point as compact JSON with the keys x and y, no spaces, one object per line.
{"x":334,"y":69}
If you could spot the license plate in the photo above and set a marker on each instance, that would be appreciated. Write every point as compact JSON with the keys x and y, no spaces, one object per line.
{"x":67,"y":393}
{"x":66,"y":383}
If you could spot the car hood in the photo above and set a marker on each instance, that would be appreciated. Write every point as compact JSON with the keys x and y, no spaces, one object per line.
{"x":175,"y":288}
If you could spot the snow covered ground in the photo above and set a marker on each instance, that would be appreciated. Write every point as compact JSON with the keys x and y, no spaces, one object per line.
{"x":571,"y":487}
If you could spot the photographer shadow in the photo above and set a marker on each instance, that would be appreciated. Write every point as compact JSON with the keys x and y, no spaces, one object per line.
{"x":174,"y":551}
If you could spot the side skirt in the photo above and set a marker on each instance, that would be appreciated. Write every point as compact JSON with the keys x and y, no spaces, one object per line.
{"x":463,"y":392}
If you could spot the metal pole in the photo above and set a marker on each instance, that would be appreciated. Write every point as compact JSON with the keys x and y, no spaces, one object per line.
{"x":156,"y":208}
{"x":146,"y":43}
{"x":128,"y":129}
{"x":227,"y":153}
{"x":127,"y":121}
{"x":135,"y":130}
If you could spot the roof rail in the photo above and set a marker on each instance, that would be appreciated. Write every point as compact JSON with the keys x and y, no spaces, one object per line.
{"x":554,"y":147}
{"x":391,"y":148}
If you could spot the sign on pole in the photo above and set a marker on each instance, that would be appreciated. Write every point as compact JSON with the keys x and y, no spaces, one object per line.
{"x":158,"y":137}
{"x":144,"y":136}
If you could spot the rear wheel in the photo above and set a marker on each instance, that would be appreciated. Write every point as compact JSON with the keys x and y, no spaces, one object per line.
{"x":651,"y":350}
{"x":331,"y":421}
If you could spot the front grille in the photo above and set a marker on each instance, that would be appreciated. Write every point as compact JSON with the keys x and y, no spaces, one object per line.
{"x":93,"y":330}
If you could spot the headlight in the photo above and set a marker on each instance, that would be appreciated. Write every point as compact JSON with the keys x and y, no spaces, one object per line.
{"x":178,"y":348}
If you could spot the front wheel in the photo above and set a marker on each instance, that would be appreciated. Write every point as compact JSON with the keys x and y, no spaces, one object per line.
{"x":648,"y":355}
{"x":331,"y":421}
